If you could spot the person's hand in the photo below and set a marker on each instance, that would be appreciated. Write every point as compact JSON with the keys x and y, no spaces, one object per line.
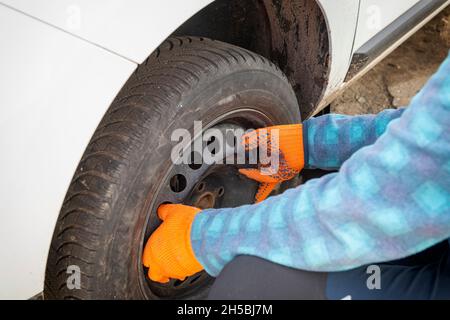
{"x":289,"y":150}
{"x":168,"y":253}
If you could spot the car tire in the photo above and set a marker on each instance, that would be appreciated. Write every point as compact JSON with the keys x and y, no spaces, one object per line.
{"x":100,"y":232}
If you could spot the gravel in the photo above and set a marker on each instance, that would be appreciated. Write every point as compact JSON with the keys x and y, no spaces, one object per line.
{"x":395,"y":80}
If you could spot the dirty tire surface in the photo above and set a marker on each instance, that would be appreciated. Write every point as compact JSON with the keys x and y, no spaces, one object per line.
{"x":99,"y":228}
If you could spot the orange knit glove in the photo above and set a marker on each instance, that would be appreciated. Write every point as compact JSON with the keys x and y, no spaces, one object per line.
{"x":168,"y":253}
{"x":289,"y":151}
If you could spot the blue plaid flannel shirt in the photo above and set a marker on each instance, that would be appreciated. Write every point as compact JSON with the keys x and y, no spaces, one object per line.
{"x":390,"y":198}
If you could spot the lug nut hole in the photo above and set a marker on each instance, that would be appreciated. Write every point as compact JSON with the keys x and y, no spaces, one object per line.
{"x":178,"y":183}
{"x":201,"y":187}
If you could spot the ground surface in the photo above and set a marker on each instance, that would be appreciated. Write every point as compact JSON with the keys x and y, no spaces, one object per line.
{"x":394,"y":81}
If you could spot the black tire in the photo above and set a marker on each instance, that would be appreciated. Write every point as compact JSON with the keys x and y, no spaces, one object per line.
{"x":100,"y":226}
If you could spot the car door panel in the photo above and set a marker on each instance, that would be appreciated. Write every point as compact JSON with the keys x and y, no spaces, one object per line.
{"x":375,"y":15}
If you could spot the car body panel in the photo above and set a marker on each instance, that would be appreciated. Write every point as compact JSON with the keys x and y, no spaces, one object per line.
{"x":130,"y":28}
{"x":375,"y":15}
{"x":341,"y":17}
{"x":55,"y":90}
{"x":124,"y":27}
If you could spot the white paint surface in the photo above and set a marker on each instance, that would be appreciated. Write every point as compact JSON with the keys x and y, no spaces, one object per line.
{"x":131,"y":28}
{"x":54,"y":90}
{"x":342,"y":18}
{"x":375,"y":15}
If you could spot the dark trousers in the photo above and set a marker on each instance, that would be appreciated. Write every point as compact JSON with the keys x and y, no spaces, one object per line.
{"x":423,"y":276}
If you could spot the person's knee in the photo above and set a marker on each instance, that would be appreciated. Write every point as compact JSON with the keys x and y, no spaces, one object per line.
{"x":249,"y":277}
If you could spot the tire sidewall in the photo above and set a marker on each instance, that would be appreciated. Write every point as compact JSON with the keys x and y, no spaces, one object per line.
{"x":228,"y":92}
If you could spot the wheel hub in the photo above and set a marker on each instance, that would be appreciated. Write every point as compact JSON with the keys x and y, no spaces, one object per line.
{"x":203,"y":186}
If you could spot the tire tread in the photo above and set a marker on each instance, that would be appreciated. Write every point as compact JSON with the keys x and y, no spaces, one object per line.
{"x":178,"y":65}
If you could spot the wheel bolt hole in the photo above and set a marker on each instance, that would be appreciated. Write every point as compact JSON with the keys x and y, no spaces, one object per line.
{"x":201,"y":187}
{"x":177,"y":283}
{"x":195,"y":162}
{"x":178,"y":183}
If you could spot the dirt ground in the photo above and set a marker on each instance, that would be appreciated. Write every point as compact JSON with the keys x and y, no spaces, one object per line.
{"x":395,"y":80}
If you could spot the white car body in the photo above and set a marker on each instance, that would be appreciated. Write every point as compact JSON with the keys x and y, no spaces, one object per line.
{"x":62,"y":62}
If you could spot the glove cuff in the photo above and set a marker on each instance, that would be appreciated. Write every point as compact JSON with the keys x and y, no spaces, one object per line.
{"x":291,"y":141}
{"x":183,"y":258}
